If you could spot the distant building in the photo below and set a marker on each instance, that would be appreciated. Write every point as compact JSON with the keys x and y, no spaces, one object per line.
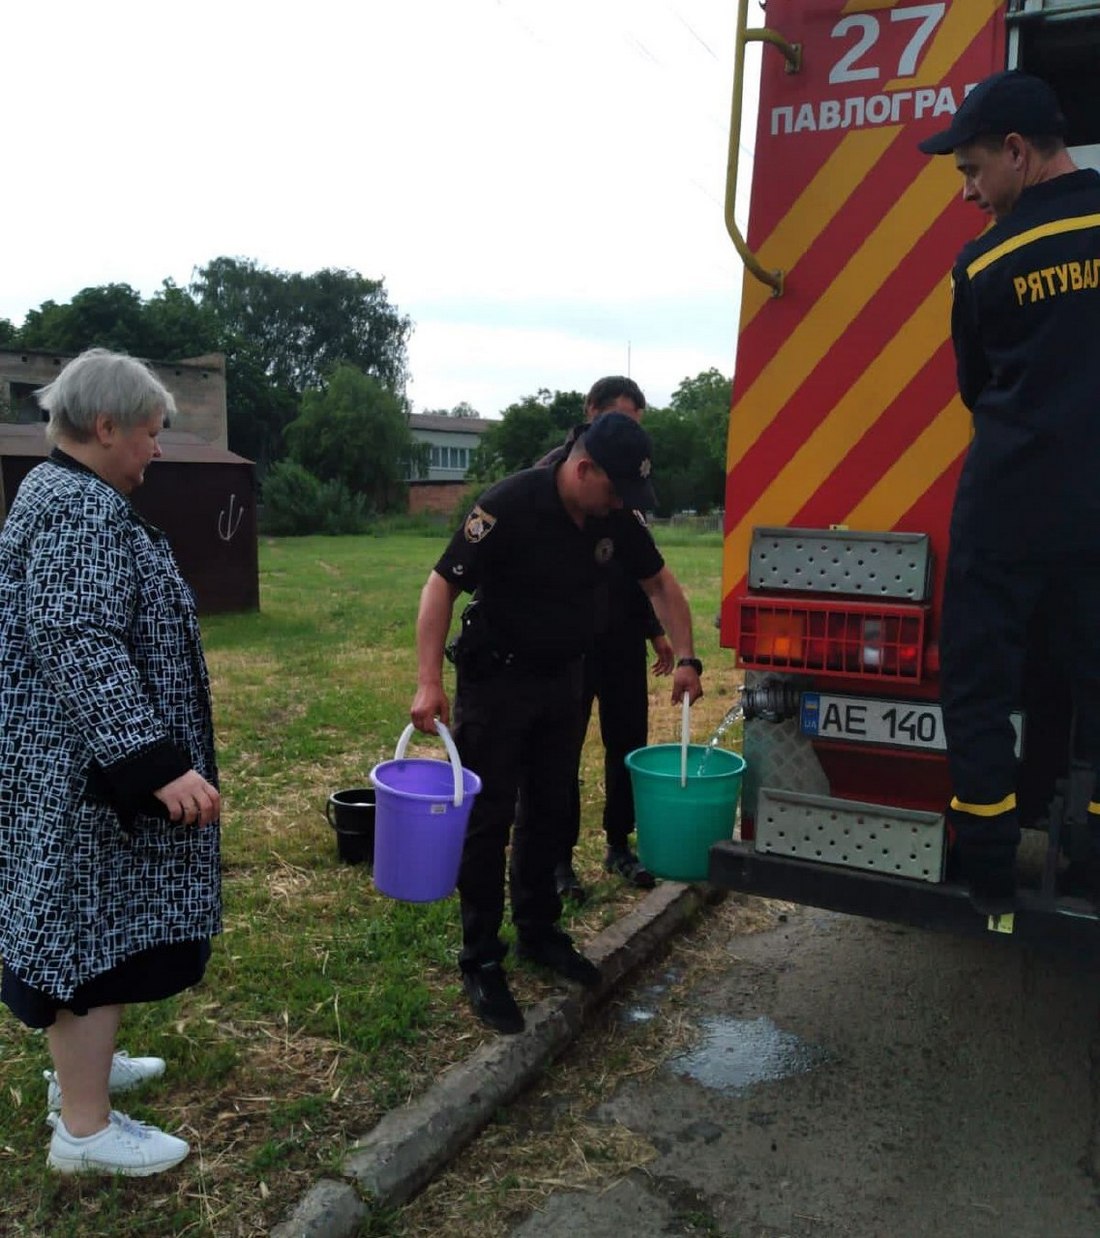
{"x":198,"y":384}
{"x":453,"y":441}
{"x":200,"y":493}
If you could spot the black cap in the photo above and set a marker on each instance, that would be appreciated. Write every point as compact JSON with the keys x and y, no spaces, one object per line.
{"x":1009,"y":102}
{"x":622,"y":449}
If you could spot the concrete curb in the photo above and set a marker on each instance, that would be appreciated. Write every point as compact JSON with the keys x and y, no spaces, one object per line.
{"x":410,"y":1145}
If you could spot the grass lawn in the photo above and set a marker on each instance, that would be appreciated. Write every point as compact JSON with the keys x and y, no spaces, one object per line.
{"x":325,"y":1003}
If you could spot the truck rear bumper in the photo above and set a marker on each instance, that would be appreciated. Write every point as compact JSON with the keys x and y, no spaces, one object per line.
{"x":1068,"y":925}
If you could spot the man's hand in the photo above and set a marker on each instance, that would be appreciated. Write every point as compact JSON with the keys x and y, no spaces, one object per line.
{"x":430,"y":703}
{"x":686,"y":680}
{"x":663,"y":659}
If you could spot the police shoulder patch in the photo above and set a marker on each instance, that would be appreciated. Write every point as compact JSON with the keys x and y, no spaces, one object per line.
{"x":479,"y":524}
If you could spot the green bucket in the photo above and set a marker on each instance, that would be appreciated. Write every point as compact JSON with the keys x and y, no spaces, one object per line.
{"x":678,"y":824}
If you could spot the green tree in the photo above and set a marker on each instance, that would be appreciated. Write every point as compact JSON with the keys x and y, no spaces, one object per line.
{"x":109,"y":316}
{"x":705,"y":400}
{"x":526,"y":431}
{"x":167,"y":327}
{"x":298,"y":327}
{"x":281,"y":334}
{"x":258,"y":411}
{"x":354,"y":430}
{"x":177,"y":326}
{"x":296,"y":503}
{"x":685,"y":475}
{"x":7,"y":333}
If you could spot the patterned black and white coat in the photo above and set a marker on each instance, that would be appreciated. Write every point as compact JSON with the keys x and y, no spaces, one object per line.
{"x":104,"y":698}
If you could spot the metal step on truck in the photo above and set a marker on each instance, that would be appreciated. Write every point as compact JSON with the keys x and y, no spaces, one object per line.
{"x":846,"y":439}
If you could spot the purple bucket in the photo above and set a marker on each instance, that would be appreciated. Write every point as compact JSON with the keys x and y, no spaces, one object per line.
{"x":421,"y":810}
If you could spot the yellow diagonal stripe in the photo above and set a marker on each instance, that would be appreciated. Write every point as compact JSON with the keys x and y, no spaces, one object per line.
{"x":845,"y":424}
{"x":815,"y":208}
{"x":866,"y":6}
{"x":961,"y":25}
{"x":864,"y":274}
{"x":934,"y":450}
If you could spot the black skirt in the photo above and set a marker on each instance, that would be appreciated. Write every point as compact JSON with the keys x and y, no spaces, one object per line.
{"x":149,"y":976}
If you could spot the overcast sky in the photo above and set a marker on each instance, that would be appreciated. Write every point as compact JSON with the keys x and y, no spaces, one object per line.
{"x":539,"y":182}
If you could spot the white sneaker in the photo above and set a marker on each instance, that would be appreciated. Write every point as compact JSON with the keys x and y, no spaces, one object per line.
{"x":124,"y":1146}
{"x":126,"y":1072}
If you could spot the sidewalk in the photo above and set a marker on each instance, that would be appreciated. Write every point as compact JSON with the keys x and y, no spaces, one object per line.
{"x":387,"y":1166}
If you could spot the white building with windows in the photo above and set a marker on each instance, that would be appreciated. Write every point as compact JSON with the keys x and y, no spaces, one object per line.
{"x":453,"y":441}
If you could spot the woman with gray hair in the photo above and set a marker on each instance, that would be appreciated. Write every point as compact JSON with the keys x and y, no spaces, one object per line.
{"x":109,"y":862}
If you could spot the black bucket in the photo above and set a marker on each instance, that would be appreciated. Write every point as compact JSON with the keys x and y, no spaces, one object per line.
{"x":351,"y":815}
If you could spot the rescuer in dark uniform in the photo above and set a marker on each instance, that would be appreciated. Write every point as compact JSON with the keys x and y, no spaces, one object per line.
{"x":1025,"y":528}
{"x":615,"y":674}
{"x":532,"y":550}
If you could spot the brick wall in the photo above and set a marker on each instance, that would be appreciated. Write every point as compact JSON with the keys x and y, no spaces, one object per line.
{"x":439,"y":497}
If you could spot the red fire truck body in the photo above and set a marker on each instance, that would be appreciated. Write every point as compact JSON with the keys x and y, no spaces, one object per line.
{"x":846,"y":439}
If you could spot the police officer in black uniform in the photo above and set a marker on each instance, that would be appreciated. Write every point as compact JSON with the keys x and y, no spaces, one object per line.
{"x":1025,"y":529}
{"x":615,"y":674}
{"x":532,"y":551}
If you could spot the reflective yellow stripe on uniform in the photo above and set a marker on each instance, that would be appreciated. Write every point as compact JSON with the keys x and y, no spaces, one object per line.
{"x":985,"y":810}
{"x":1094,"y":808}
{"x":1026,"y":238}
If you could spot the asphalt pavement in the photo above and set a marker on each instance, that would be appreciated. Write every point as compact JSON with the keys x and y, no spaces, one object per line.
{"x":854,"y":1078}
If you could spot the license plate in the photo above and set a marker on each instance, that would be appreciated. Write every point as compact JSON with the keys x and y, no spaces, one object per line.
{"x":890,"y":724}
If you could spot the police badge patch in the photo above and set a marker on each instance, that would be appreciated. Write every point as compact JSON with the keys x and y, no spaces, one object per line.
{"x":605,"y":548}
{"x":479,"y":524}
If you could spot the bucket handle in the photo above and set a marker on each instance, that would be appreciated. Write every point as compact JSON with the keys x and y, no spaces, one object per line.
{"x":448,"y":743}
{"x":685,"y":731}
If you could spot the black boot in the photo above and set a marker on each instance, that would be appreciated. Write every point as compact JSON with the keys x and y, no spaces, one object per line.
{"x":555,"y":951}
{"x":568,"y":884}
{"x":487,"y":988}
{"x":989,"y":871}
{"x":984,"y":858}
{"x":625,"y":863}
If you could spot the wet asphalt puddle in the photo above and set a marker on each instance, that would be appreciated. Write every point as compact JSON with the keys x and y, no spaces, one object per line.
{"x":736,"y":1054}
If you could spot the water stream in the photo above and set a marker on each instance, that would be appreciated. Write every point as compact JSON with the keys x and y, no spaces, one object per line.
{"x":732,"y":718}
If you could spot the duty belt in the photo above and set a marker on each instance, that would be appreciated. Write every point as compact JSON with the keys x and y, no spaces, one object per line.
{"x":531,"y":665}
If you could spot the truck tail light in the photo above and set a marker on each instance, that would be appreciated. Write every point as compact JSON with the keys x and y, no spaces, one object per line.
{"x":832,"y":638}
{"x":780,"y":636}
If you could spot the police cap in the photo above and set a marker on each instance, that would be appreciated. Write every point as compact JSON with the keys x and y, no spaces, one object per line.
{"x":622,"y":449}
{"x":1009,"y":102}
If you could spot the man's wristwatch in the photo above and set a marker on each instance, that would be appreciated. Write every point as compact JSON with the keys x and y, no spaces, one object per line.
{"x":694,"y":663}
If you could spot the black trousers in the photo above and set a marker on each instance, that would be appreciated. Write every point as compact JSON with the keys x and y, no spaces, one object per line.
{"x":989,"y":603}
{"x":615,"y":675}
{"x":518,"y":732}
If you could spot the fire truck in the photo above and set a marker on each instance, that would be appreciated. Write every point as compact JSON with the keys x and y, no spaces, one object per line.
{"x":846,"y":438}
